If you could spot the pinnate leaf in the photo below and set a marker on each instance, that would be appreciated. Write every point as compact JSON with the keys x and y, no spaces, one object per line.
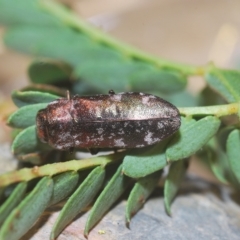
{"x":80,"y":199}
{"x":28,"y":211}
{"x":108,"y":196}
{"x":92,"y":58}
{"x":226,"y":82}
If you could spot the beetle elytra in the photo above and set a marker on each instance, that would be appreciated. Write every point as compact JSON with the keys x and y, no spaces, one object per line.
{"x":123,"y":120}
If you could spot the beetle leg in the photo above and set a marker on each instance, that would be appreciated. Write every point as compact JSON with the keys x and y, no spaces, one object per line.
{"x":111,"y":92}
{"x":71,"y":149}
{"x":93,"y":151}
{"x":68,"y":95}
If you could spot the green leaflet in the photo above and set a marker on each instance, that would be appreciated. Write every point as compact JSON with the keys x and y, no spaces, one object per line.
{"x":25,"y":116}
{"x":97,"y":64}
{"x":226,"y":82}
{"x":216,"y":161}
{"x":182,"y":99}
{"x":146,"y":77}
{"x":222,"y":136}
{"x":64,"y":185}
{"x":32,"y":97}
{"x":140,"y":192}
{"x":186,"y":143}
{"x":13,"y":200}
{"x":108,"y":196}
{"x":233,"y":152}
{"x":81,"y":87}
{"x":27,"y":142}
{"x":41,"y":41}
{"x":141,"y":162}
{"x":49,"y":72}
{"x":132,"y":75}
{"x":219,"y":166}
{"x":44,"y":88}
{"x":176,"y":173}
{"x":28,"y":211}
{"x":209,"y":97}
{"x":110,"y":72}
{"x":80,"y":199}
{"x":25,"y":13}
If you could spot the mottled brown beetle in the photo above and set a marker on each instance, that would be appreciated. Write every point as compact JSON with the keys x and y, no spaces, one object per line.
{"x":123,"y":120}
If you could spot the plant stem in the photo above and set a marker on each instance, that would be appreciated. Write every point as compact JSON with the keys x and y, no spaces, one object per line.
{"x":27,"y":174}
{"x":73,"y":20}
{"x":218,"y":111}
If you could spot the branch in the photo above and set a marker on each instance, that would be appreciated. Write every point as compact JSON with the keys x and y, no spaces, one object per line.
{"x":218,"y":111}
{"x":72,"y":20}
{"x":27,"y":174}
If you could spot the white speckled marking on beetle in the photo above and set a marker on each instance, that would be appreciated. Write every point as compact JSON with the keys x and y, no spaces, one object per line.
{"x":160,"y":125}
{"x":116,"y":97}
{"x":140,"y":145}
{"x":121,"y":132}
{"x":119,"y":142}
{"x":100,"y":131}
{"x":148,"y":138}
{"x":150,"y":123}
{"x":145,"y":101}
{"x":151,"y":96}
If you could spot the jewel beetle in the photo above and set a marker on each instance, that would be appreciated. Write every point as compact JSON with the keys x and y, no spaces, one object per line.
{"x":122,"y":120}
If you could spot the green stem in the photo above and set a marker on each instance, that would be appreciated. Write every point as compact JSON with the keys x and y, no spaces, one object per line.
{"x":73,"y":20}
{"x":27,"y":174}
{"x":219,"y":111}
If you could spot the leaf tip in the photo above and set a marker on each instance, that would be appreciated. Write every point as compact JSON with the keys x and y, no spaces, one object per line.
{"x":128,"y":223}
{"x":168,"y":208}
{"x":52,"y":235}
{"x":86,"y":232}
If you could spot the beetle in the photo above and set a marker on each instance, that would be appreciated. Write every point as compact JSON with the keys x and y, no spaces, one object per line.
{"x":122,"y":120}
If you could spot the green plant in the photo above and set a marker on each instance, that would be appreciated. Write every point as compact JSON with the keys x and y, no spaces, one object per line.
{"x":72,"y":54}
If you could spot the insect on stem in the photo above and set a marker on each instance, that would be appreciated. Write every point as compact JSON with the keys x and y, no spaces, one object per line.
{"x":115,"y":120}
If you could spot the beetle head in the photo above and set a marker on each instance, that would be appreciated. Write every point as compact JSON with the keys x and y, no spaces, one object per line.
{"x":41,"y":121}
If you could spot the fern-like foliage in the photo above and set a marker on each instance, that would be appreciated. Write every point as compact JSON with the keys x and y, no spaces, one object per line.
{"x":74,"y":55}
